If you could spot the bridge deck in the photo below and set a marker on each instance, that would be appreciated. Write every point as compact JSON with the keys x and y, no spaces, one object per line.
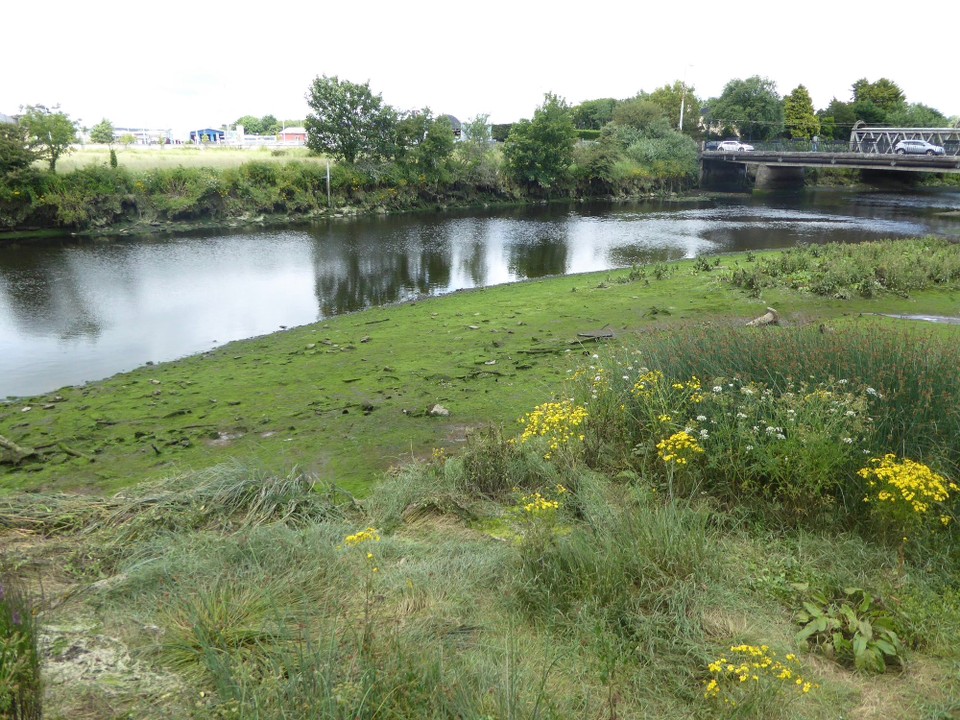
{"x":861,"y":161}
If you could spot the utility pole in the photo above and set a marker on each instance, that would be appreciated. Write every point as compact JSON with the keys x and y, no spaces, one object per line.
{"x":683,"y":97}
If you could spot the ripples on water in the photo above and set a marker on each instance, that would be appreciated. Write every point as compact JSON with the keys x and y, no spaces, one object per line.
{"x":72,"y":312}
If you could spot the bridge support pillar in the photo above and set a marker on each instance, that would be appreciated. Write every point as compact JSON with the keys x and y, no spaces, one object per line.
{"x":719,"y":175}
{"x":775,"y":177}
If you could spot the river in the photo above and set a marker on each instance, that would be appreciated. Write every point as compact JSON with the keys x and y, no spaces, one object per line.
{"x":76,"y":311}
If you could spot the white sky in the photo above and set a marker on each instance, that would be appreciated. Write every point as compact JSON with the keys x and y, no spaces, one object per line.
{"x":173,"y":64}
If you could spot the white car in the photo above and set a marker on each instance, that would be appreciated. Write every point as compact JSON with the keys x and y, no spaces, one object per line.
{"x":733,"y":146}
{"x":917,"y":147}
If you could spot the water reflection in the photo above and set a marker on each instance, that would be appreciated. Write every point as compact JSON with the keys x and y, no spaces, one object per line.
{"x":77,"y":311}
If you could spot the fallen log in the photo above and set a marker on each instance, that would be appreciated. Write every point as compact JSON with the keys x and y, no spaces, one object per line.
{"x":19,"y":454}
{"x":771,"y":317}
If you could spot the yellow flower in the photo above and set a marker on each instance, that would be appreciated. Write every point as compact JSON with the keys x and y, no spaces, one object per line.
{"x":679,"y":448}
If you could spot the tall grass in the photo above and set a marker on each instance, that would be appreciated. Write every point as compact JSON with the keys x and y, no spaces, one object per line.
{"x":21,"y":687}
{"x":907,"y":373}
{"x":530,"y":578}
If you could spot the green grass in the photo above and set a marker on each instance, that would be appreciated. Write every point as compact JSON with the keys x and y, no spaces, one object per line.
{"x":141,"y":158}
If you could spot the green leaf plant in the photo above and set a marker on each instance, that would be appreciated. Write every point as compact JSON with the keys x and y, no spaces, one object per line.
{"x":853,"y":628}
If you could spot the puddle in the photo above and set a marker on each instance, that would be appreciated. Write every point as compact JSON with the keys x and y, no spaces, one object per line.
{"x":926,"y":318}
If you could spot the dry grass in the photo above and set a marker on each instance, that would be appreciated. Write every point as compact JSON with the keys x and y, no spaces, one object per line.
{"x":168,"y":156}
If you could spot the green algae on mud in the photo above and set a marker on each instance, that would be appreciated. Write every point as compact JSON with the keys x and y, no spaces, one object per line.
{"x":352,"y":396}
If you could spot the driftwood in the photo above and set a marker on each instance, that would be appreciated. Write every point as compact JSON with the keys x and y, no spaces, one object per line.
{"x":604,"y":333}
{"x":19,"y":453}
{"x":770,"y":317}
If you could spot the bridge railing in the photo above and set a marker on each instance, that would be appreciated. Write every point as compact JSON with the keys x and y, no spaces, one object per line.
{"x":790,"y":145}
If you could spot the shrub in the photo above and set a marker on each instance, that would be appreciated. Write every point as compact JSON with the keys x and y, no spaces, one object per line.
{"x":853,"y":628}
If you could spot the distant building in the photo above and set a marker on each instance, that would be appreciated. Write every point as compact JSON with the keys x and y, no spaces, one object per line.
{"x":207,"y":135}
{"x":293,"y":135}
{"x":143,"y":136}
{"x":7,"y":120}
{"x":454,"y":123}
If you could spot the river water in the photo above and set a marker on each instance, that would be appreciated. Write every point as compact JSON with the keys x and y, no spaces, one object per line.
{"x":75,"y":311}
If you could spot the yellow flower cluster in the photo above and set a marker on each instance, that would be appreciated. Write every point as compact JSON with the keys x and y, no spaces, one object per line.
{"x":364,"y":536}
{"x":557,"y":422}
{"x":907,"y":484}
{"x":537,"y":505}
{"x":679,"y":448}
{"x":752,"y":664}
{"x":646,"y":384}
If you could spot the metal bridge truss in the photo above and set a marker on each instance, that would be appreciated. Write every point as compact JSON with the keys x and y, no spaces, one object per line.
{"x":881,"y":141}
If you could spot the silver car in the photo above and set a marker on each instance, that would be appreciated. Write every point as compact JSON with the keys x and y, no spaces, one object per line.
{"x":734,"y":146}
{"x":917,"y":147}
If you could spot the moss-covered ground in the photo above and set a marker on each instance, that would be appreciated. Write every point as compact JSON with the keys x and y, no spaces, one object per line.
{"x":350,"y":397}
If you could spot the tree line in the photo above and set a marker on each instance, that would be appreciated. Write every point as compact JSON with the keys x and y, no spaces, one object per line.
{"x":389,"y":159}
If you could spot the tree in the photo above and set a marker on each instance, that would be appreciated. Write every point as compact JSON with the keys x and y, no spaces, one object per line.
{"x":251,"y":125}
{"x":669,"y":97}
{"x":644,"y":115}
{"x":476,"y":154}
{"x":425,"y":142}
{"x":269,"y":125}
{"x":798,"y":115}
{"x":837,"y":120}
{"x":538,"y":153}
{"x":434,"y":152}
{"x":917,"y":115}
{"x":50,"y":130}
{"x":883,"y":93}
{"x":593,"y":114}
{"x":102,"y":132}
{"x":752,"y":106}
{"x":348,"y":120}
{"x":16,"y":150}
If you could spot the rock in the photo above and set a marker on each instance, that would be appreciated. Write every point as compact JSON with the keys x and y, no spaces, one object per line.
{"x":438,"y":411}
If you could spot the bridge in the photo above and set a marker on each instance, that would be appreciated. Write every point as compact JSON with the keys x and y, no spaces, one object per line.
{"x":782,"y":164}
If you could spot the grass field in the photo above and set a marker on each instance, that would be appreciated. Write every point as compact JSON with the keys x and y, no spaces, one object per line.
{"x":145,"y":157}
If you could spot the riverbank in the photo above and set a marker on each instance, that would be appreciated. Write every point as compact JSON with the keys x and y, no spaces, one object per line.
{"x":352,"y":396}
{"x":564,"y":566}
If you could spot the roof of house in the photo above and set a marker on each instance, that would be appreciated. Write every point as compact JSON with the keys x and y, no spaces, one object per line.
{"x":7,"y":119}
{"x":294,"y":131}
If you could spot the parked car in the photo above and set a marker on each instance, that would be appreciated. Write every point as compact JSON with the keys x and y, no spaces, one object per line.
{"x":917,"y":147}
{"x":733,"y":146}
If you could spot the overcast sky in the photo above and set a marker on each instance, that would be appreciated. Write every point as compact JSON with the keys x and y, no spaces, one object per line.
{"x":180,"y":65}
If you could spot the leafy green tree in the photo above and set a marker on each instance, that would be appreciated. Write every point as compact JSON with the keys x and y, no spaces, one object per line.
{"x":269,"y":125}
{"x":251,"y":125}
{"x":752,"y":106}
{"x":917,"y":115}
{"x":883,"y":93}
{"x":837,"y":120}
{"x":50,"y":130}
{"x":348,"y":120}
{"x":426,"y":143}
{"x":538,"y":153}
{"x":798,"y":115}
{"x":102,"y":132}
{"x":644,"y":115}
{"x":434,"y":152}
{"x":475,"y":153}
{"x":593,"y":114}
{"x":869,"y":112}
{"x":16,"y":150}
{"x":669,"y":97}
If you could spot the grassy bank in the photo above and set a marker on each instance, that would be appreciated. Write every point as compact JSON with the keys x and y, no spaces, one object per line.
{"x":662,"y":535}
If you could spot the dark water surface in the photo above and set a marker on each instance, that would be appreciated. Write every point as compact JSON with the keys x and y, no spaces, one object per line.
{"x":74,"y":311}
